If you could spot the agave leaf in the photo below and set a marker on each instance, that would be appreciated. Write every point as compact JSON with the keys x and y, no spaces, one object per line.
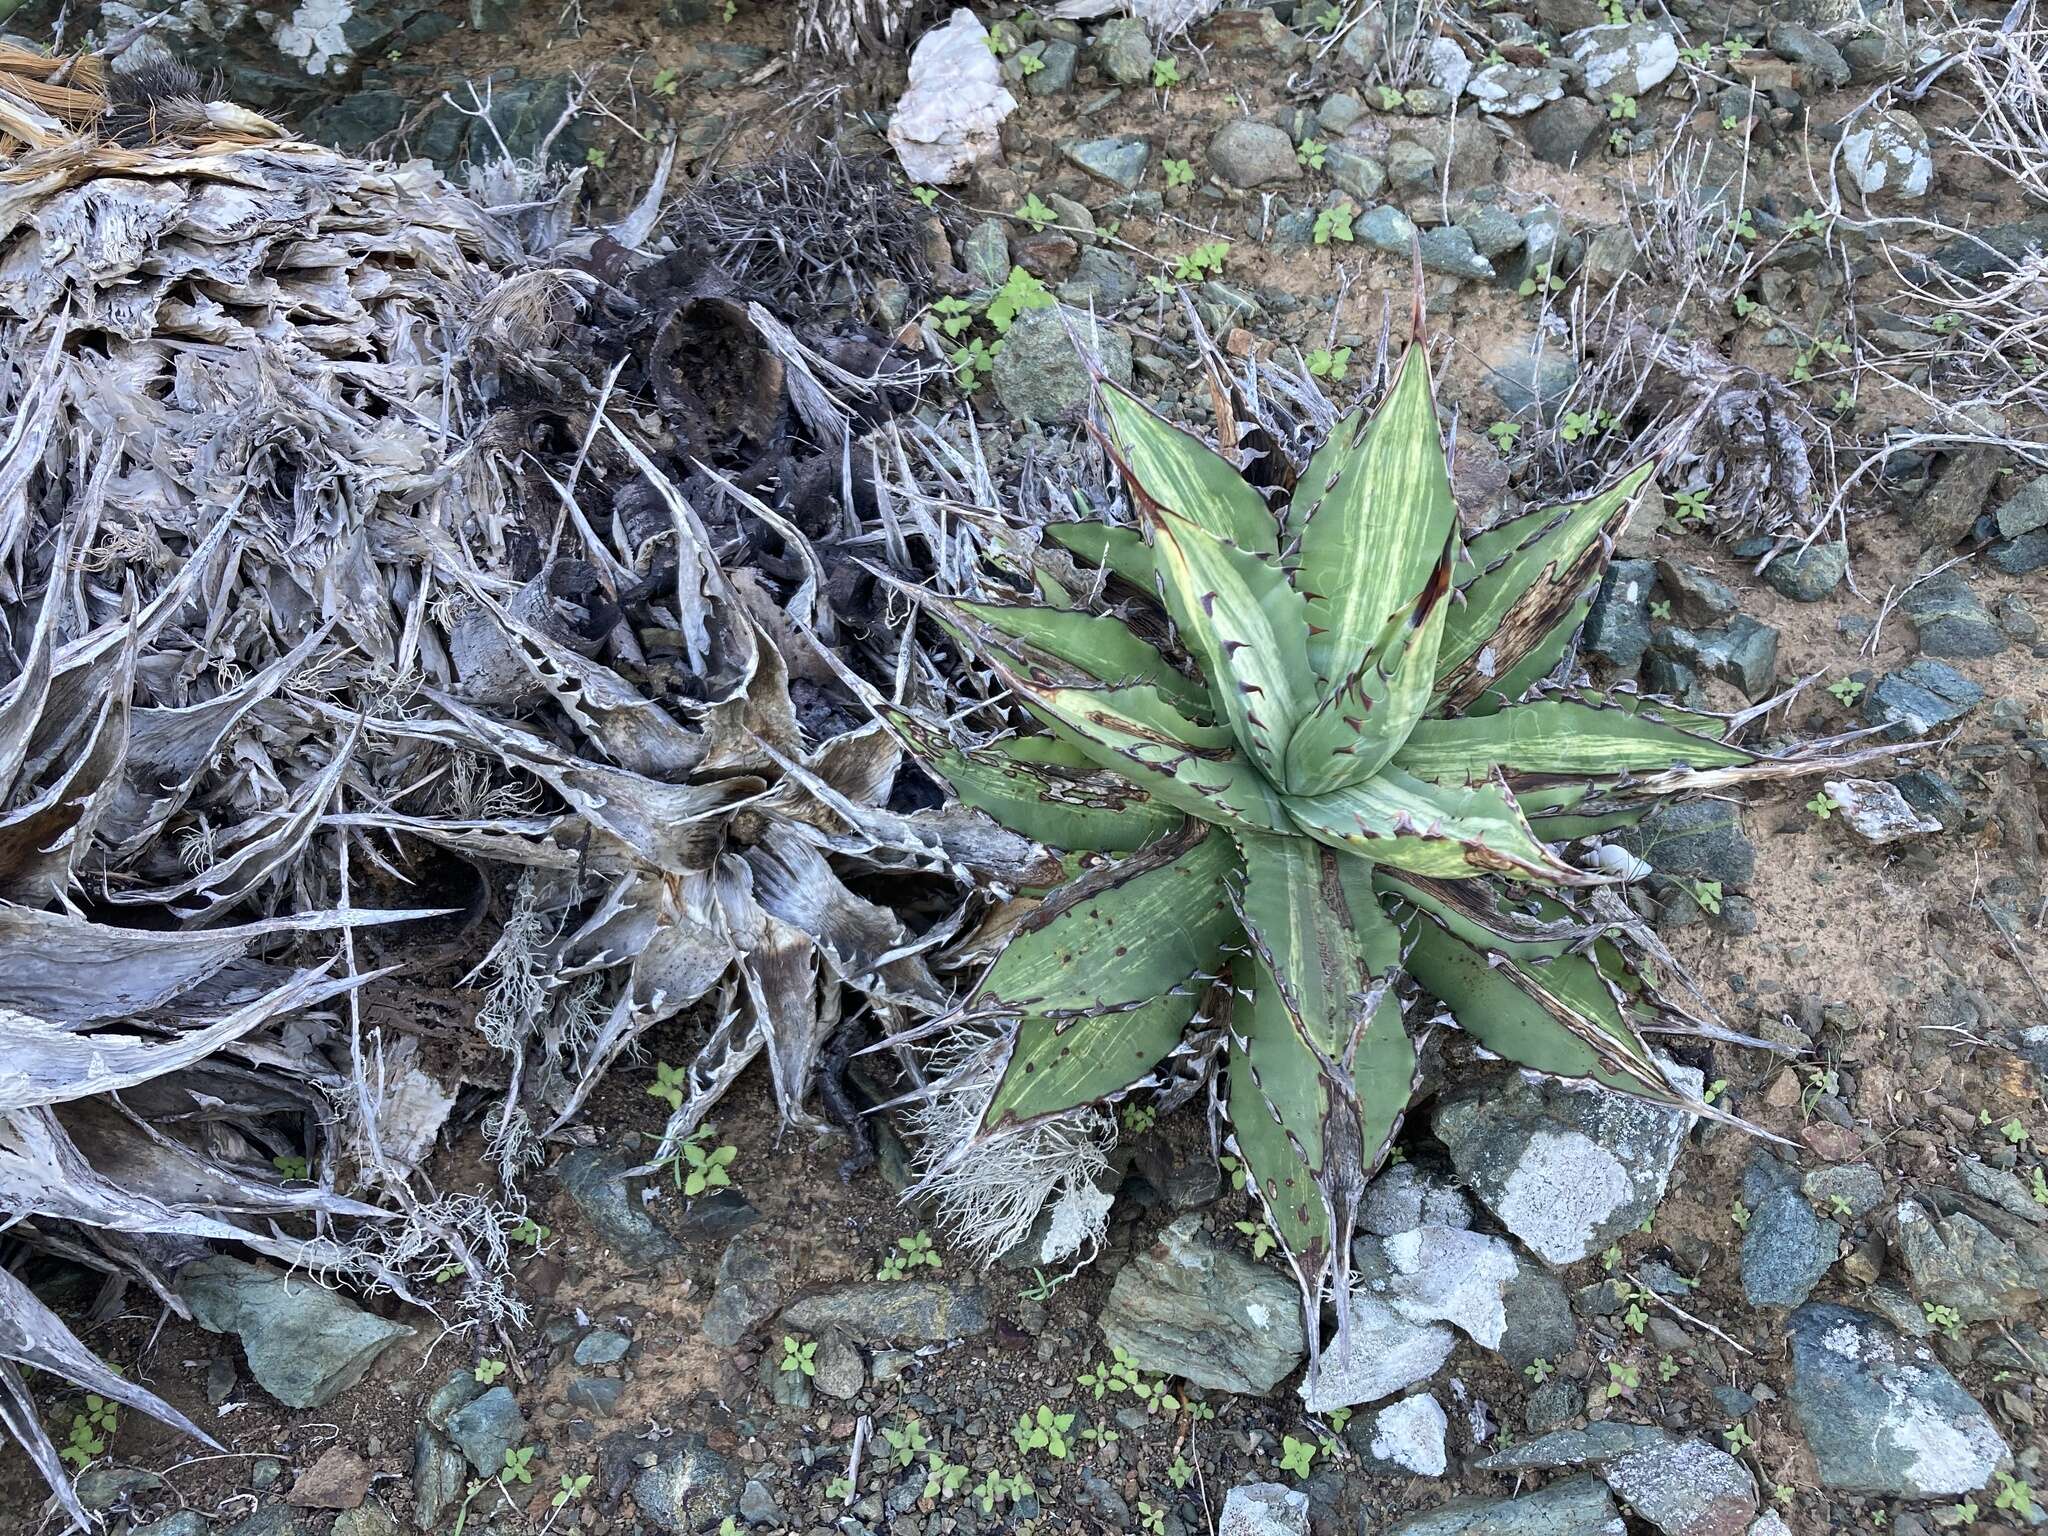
{"x":1120,"y":936}
{"x":1431,"y":829}
{"x":1059,"y":1064}
{"x":1358,"y":725}
{"x":1238,"y":614}
{"x":1583,"y":736}
{"x":1122,"y":551}
{"x":1176,"y":470}
{"x":1530,"y":996}
{"x":1373,"y":511}
{"x":1044,"y":789}
{"x":1100,"y":645}
{"x":1533,"y":575}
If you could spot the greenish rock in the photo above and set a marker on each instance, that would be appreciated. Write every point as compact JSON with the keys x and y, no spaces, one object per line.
{"x":1411,"y":165}
{"x":1428,"y":101}
{"x":368,"y":1518}
{"x":487,"y":1428}
{"x":265,"y":1472}
{"x":1954,"y":501}
{"x":1119,"y":159}
{"x":986,"y":253}
{"x":1694,"y":839}
{"x":1040,"y":376}
{"x":440,"y":1473}
{"x":306,"y":1345}
{"x":2021,"y":556}
{"x":1107,"y":279}
{"x":601,"y":1347}
{"x":596,"y":1394}
{"x":596,"y":1181}
{"x":1919,"y":697}
{"x":1448,"y":249}
{"x":1950,"y":621}
{"x":1566,"y":131}
{"x":101,"y":1488}
{"x":1360,"y":175}
{"x":1552,"y":1404}
{"x":892,"y":1312}
{"x":752,"y":1281}
{"x":1493,"y":231}
{"x":1810,"y":574}
{"x":1993,"y":249}
{"x":1608,"y":1440}
{"x":1533,"y":376}
{"x":524,"y":112}
{"x":1820,"y":61}
{"x":1959,"y":1262}
{"x":1339,"y":111}
{"x":460,"y":1386}
{"x":1617,"y":628}
{"x":1698,"y":597}
{"x":1059,"y":59}
{"x":186,"y":1522}
{"x":1742,"y":652}
{"x":356,"y":120}
{"x":1248,"y":153}
{"x":1577,"y":1506}
{"x":1933,"y":796}
{"x":1188,"y":1307}
{"x":841,"y":1372}
{"x":689,"y":1489}
{"x":1611,"y":255}
{"x":1540,"y":1324}
{"x":1880,"y":1414}
{"x":270,"y":1520}
{"x":1385,"y":228}
{"x":1786,"y":1248}
{"x":1123,"y":51}
{"x":1858,"y":1187}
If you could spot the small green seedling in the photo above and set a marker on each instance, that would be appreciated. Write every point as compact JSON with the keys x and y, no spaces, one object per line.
{"x":1203,"y":261}
{"x":1036,"y":214}
{"x":1504,"y":434}
{"x":2014,"y":1494}
{"x":1846,"y":691}
{"x":1263,"y":1241}
{"x":1620,"y":108}
{"x":518,"y":1464}
{"x":1235,"y":1168}
{"x":943,"y":1479}
{"x":1739,"y":1214}
{"x":1667,"y":1368}
{"x":1718,"y":1088}
{"x":669,"y":1085}
{"x":1165,"y":73}
{"x":1180,"y":1474}
{"x":912,"y":1252}
{"x":572,"y":1489}
{"x":1822,"y":805}
{"x":1538,"y":1370}
{"x":701,"y":1165}
{"x":1577,"y":426}
{"x":842,"y":1489}
{"x":1333,"y":225}
{"x":292,"y":1167}
{"x":1029,"y":64}
{"x":925,"y":195}
{"x":667,"y":81}
{"x":1945,"y":1318}
{"x":92,"y":1429}
{"x":1738,"y":1438}
{"x":906,"y":1443}
{"x":1020,"y":292}
{"x":1296,"y":1456}
{"x":530,"y":1232}
{"x":595,"y":158}
{"x":1621,"y":1379}
{"x":1043,"y":1431}
{"x":799,"y":1355}
{"x":1179,"y":173}
{"x":488,"y":1371}
{"x":1324,"y":363}
{"x":1139,"y":1118}
{"x":1310,"y":153}
{"x":1152,"y":1518}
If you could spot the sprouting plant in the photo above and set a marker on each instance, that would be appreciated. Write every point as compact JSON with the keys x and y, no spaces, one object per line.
{"x":1021,"y":291}
{"x":1310,"y":153}
{"x":1323,"y":788}
{"x":2014,"y":1131}
{"x":1806,"y":224}
{"x":1043,"y":1431}
{"x":666,"y":81}
{"x":1667,"y":1368}
{"x":1036,"y":214}
{"x":1328,"y":19}
{"x":942,"y":1478}
{"x":1181,"y":1473}
{"x":906,"y":1442}
{"x":2014,"y":1494}
{"x":972,"y":362}
{"x":1263,"y":1241}
{"x":92,"y":1429}
{"x":1203,"y":261}
{"x":1165,"y":72}
{"x":1577,"y":425}
{"x":1179,"y":173}
{"x":1737,"y":49}
{"x":1001,"y":40}
{"x":530,"y":1232}
{"x":1042,"y":1285}
{"x":1029,"y":64}
{"x":489,"y":1370}
{"x":730,"y":1526}
{"x":1339,"y":1417}
{"x":1743,"y":225}
{"x":1622,"y":1379}
{"x":1538,"y":1370}
{"x":1621,"y":108}
{"x":1152,"y":1518}
{"x":1234,"y":1167}
{"x":842,"y":1489}
{"x":1744,"y":306}
{"x":1846,"y":691}
{"x":1610,"y":1260}
{"x":1943,"y":1317}
{"x":1821,"y":1081}
{"x":518,"y":1464}
{"x":1326,"y":363}
{"x":1739,"y":1214}
{"x":1660,"y":611}
{"x":572,"y":1488}
{"x":1504,"y":434}
{"x":1098,"y":1434}
{"x":799,"y":1355}
{"x":1333,"y":224}
{"x":1635,"y":1319}
{"x":1139,"y":1118}
{"x":595,"y":158}
{"x":925,"y":195}
{"x":291,"y":1167}
{"x":1822,"y":805}
{"x":955,"y":315}
{"x":1717,"y":1090}
{"x":669,"y":1085}
{"x":2037,"y":1185}
{"x":910,"y":1253}
{"x":1296,"y":1456}
{"x":1690,"y":505}
{"x":995,"y":1486}
{"x":1840,"y":1208}
{"x":1542,"y":280}
{"x":702,"y":1163}
{"x":1388,"y":98}
{"x":1738,"y":1438}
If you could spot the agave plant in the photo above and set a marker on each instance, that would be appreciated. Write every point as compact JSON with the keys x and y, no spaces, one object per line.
{"x":1332,"y":800}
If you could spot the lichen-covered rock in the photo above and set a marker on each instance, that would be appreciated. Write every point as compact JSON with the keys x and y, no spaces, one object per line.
{"x":1887,"y":154}
{"x":1190,"y":1308}
{"x":949,"y":119}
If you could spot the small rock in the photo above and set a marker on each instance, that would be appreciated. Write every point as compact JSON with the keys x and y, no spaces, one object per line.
{"x":1950,"y":621}
{"x":1881,"y":1415}
{"x":1123,"y":51}
{"x":1403,"y":1197}
{"x":186,"y":1522}
{"x":1743,"y":652}
{"x":1577,"y":1506}
{"x":1360,"y":175}
{"x":1264,"y":1509}
{"x":1247,"y":153}
{"x":440,"y":1472}
{"x":1493,"y":231}
{"x":601,"y":1347}
{"x":1441,"y":1275}
{"x":1058,"y":58}
{"x":1552,"y":1404}
{"x":1959,"y":1262}
{"x":841,"y":1373}
{"x":1565,"y":131}
{"x":2025,"y":510}
{"x":1040,"y":376}
{"x":1409,"y":1436}
{"x":1617,"y":628}
{"x":1921,"y":696}
{"x":1952,"y":504}
{"x":487,"y":1428}
{"x":609,"y":1201}
{"x":1858,"y":1186}
{"x":752,"y":1281}
{"x":893,"y":1312}
{"x":1820,"y":62}
{"x":1696,"y":839}
{"x":1624,"y":60}
{"x":986,"y":252}
{"x":1385,"y":228}
{"x":1689,"y":1489}
{"x":690,"y":1488}
{"x":757,"y":1505}
{"x":1448,"y":249}
{"x":949,"y":119}
{"x":306,"y":1345}
{"x":1514,"y":90}
{"x":1593,"y":1445}
{"x":1188,"y":1307}
{"x":1887,"y":153}
{"x":1380,"y":1354}
{"x":368,"y":1519}
{"x":340,"y":1479}
{"x":2020,"y":556}
{"x":102,"y":1488}
{"x":1532,"y":375}
{"x":1412,"y":166}
{"x":1339,"y":111}
{"x":1787,"y":1248}
{"x":1119,"y":160}
{"x":1540,"y":1322}
{"x":1810,"y":574}
{"x":1698,"y":597}
{"x":1876,"y":811}
{"x":596,"y":1394}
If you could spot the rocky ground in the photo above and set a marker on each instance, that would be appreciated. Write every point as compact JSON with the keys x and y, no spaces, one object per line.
{"x":1578,"y":1315}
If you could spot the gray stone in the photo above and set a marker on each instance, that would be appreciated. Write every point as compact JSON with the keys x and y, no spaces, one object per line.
{"x":1339,"y":111}
{"x":1040,"y":376}
{"x":1787,"y":1248}
{"x":1412,"y":166}
{"x":601,"y":1346}
{"x":1565,"y":131}
{"x":1876,"y":811}
{"x":1698,"y":597}
{"x":1961,"y":1263}
{"x":1463,"y":148}
{"x":1611,"y":255}
{"x":2017,"y":618}
{"x":596,"y":1394}
{"x":1404,"y":1196}
{"x":1059,"y":58}
{"x":524,"y":112}
{"x":1448,"y":249}
{"x":1360,"y":175}
{"x":1385,"y":228}
{"x":1408,"y":1437}
{"x":1950,"y":621}
{"x":440,"y":1472}
{"x":1565,"y":1167}
{"x":1533,"y":376}
{"x":1119,"y":160}
{"x":1540,"y":1322}
{"x":1264,"y":1509}
{"x":186,"y":1522}
{"x":1440,"y":1275}
{"x":1950,"y":508}
{"x":893,"y":1312}
{"x":1933,"y":797}
{"x":2020,"y":556}
{"x":986,"y":252}
{"x":1880,"y":1414}
{"x":1617,"y":628}
{"x":1887,"y":155}
{"x":270,"y":1520}
{"x":1858,"y":1186}
{"x":1248,"y":153}
{"x":1553,"y":1403}
{"x":758,"y":1507}
{"x":1514,"y":90}
{"x":1123,"y":51}
{"x":689,"y":1489}
{"x":1591,"y":1446}
{"x":1187,"y":1307}
{"x":1994,"y":249}
{"x":1689,"y":1489}
{"x":306,"y":1345}
{"x":2002,"y":1189}
{"x":1742,"y":652}
{"x":752,"y":1281}
{"x":1810,"y":574}
{"x":609,"y":1201}
{"x":1493,"y":231}
{"x":1820,"y":61}
{"x":1380,"y":1354}
{"x":841,"y":1373}
{"x":101,"y":1488}
{"x":1577,"y":1506}
{"x":487,"y":1428}
{"x":1696,"y":839}
{"x":1872,"y":57}
{"x":369,"y":1518}
{"x":1107,"y":277}
{"x":1920,"y":697}
{"x":1623,"y":60}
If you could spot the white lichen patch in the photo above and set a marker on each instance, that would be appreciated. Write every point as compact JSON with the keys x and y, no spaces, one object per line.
{"x":1410,"y":1434}
{"x":1560,"y":1192}
{"x":313,"y":35}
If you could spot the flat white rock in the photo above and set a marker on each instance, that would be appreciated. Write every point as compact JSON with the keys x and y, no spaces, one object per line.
{"x":950,"y":118}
